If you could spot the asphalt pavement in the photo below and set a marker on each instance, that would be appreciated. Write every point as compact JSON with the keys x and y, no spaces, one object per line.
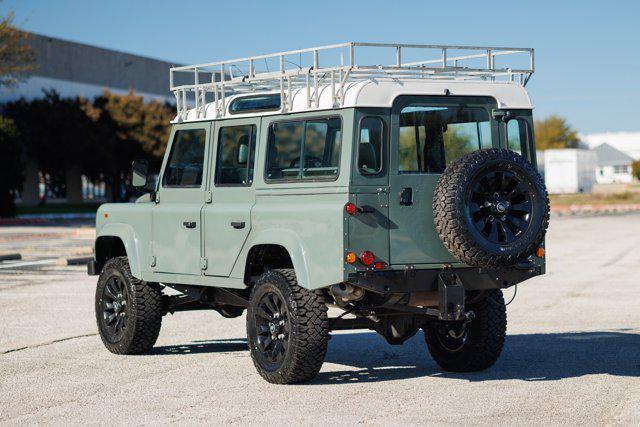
{"x":572,"y":355}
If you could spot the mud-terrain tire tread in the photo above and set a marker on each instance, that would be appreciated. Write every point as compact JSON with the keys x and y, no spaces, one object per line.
{"x":486,"y":337}
{"x":144,"y":319}
{"x":310,"y":329}
{"x":448,"y":207}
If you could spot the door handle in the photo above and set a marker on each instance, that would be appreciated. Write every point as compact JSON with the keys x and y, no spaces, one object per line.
{"x":189,"y":224}
{"x":237,"y":224}
{"x":406,"y":196}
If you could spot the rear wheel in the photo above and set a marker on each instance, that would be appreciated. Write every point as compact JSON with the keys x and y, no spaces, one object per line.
{"x":128,"y":311}
{"x":474,"y":346}
{"x":287,"y":328}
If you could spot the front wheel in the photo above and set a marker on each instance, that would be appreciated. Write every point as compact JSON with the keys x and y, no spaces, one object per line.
{"x":128,"y":311}
{"x":474,"y":346}
{"x":287,"y":328}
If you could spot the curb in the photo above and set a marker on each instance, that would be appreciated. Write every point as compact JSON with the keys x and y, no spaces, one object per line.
{"x":566,"y":210}
{"x":11,"y":257}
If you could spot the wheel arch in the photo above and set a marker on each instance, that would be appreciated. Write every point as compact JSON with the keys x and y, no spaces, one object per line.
{"x":274,"y":249}
{"x":118,"y":240}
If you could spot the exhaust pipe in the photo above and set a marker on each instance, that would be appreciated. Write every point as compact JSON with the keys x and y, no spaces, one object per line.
{"x":346,"y":292}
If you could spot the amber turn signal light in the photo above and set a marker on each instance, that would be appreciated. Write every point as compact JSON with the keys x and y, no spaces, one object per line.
{"x":350,"y":257}
{"x":540,"y":252}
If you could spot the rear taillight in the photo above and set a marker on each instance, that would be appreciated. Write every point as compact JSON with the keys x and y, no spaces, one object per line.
{"x":367,"y":258}
{"x":350,"y":208}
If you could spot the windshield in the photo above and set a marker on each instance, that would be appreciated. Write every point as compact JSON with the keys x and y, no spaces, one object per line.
{"x":431,"y":137}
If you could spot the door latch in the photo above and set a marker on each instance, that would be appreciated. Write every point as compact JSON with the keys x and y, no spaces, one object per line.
{"x":238,"y":224}
{"x":189,"y":224}
{"x":406,"y":196}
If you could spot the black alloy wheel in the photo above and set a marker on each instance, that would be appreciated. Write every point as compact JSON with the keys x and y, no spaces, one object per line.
{"x":273,"y":327}
{"x":114,"y":303}
{"x":499,"y":206}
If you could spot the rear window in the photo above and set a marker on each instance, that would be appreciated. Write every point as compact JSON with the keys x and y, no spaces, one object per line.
{"x":305,"y":149}
{"x":432,"y":137}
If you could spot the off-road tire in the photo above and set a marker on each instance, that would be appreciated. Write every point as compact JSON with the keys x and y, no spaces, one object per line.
{"x":308,"y":333}
{"x":453,"y":221}
{"x":485,"y":337}
{"x":143,"y":311}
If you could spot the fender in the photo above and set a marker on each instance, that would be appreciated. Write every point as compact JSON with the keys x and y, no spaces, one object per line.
{"x":286,"y":238}
{"x":130,"y":240}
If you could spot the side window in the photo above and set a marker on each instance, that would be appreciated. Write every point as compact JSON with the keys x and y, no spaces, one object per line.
{"x":370,"y":146}
{"x":517,"y":131}
{"x":185,"y":164}
{"x":432,"y":137}
{"x":304,"y":149}
{"x":235,"y":155}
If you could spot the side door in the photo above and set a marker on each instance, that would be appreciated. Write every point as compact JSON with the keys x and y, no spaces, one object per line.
{"x":176,"y":246}
{"x":428,"y":132}
{"x":227,"y":218}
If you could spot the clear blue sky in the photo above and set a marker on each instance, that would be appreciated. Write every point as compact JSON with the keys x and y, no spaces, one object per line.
{"x":587,"y":52}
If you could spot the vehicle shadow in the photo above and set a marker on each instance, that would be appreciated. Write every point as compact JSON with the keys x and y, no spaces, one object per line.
{"x":203,"y":346}
{"x":526,"y":357}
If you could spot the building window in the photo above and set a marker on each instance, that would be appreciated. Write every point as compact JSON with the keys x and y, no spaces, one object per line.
{"x":305,"y":149}
{"x":184,"y":168}
{"x":620,"y":169}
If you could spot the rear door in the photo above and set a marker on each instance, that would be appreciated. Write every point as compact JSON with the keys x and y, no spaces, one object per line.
{"x":180,"y":197}
{"x":227,"y":218}
{"x":428,"y":132}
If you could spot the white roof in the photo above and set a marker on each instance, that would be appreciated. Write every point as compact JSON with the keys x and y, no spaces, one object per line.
{"x":627,"y":142}
{"x":382,"y":93}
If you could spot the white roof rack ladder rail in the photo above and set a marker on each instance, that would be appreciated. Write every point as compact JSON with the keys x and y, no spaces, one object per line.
{"x":249,"y":75}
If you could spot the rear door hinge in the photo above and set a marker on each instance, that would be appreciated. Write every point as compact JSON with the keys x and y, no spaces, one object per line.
{"x":203,"y":264}
{"x":208,"y":197}
{"x":152,"y":261}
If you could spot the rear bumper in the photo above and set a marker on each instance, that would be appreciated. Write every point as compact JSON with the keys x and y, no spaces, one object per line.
{"x":410,"y":280}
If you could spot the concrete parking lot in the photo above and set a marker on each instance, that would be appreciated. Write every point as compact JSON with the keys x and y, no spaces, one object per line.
{"x":572,"y":355}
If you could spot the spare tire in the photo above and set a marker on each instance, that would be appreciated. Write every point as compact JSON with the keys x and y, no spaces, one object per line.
{"x":491,"y":208}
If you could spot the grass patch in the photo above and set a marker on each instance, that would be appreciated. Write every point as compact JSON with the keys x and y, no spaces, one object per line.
{"x":623,"y":198}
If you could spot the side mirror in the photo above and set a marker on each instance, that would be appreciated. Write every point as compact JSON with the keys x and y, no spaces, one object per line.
{"x":139,"y":173}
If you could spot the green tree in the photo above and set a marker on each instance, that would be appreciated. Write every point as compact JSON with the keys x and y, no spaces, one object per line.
{"x":635,"y":168}
{"x":11,"y":172}
{"x":17,"y":57}
{"x":555,"y":132}
{"x":53,"y":130}
{"x":124,"y":128}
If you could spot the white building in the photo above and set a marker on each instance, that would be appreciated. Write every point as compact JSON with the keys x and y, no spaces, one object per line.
{"x":614,"y":166}
{"x":627,"y":142}
{"x":569,"y":170}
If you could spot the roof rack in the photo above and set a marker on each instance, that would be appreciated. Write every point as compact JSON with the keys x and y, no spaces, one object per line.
{"x":303,"y":69}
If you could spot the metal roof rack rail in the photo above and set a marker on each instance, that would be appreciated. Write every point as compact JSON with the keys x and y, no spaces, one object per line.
{"x":302,"y":69}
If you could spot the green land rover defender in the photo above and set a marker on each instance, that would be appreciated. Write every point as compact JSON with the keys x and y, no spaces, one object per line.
{"x":401,"y":194}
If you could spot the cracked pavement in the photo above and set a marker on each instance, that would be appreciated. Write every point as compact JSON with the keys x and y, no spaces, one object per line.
{"x":572,"y":355}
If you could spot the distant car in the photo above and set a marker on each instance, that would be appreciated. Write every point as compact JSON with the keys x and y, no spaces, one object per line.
{"x":404,"y":195}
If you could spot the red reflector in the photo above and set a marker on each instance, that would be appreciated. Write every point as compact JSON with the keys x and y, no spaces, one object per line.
{"x":350,"y":208}
{"x":367,"y":258}
{"x":380,"y":265}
